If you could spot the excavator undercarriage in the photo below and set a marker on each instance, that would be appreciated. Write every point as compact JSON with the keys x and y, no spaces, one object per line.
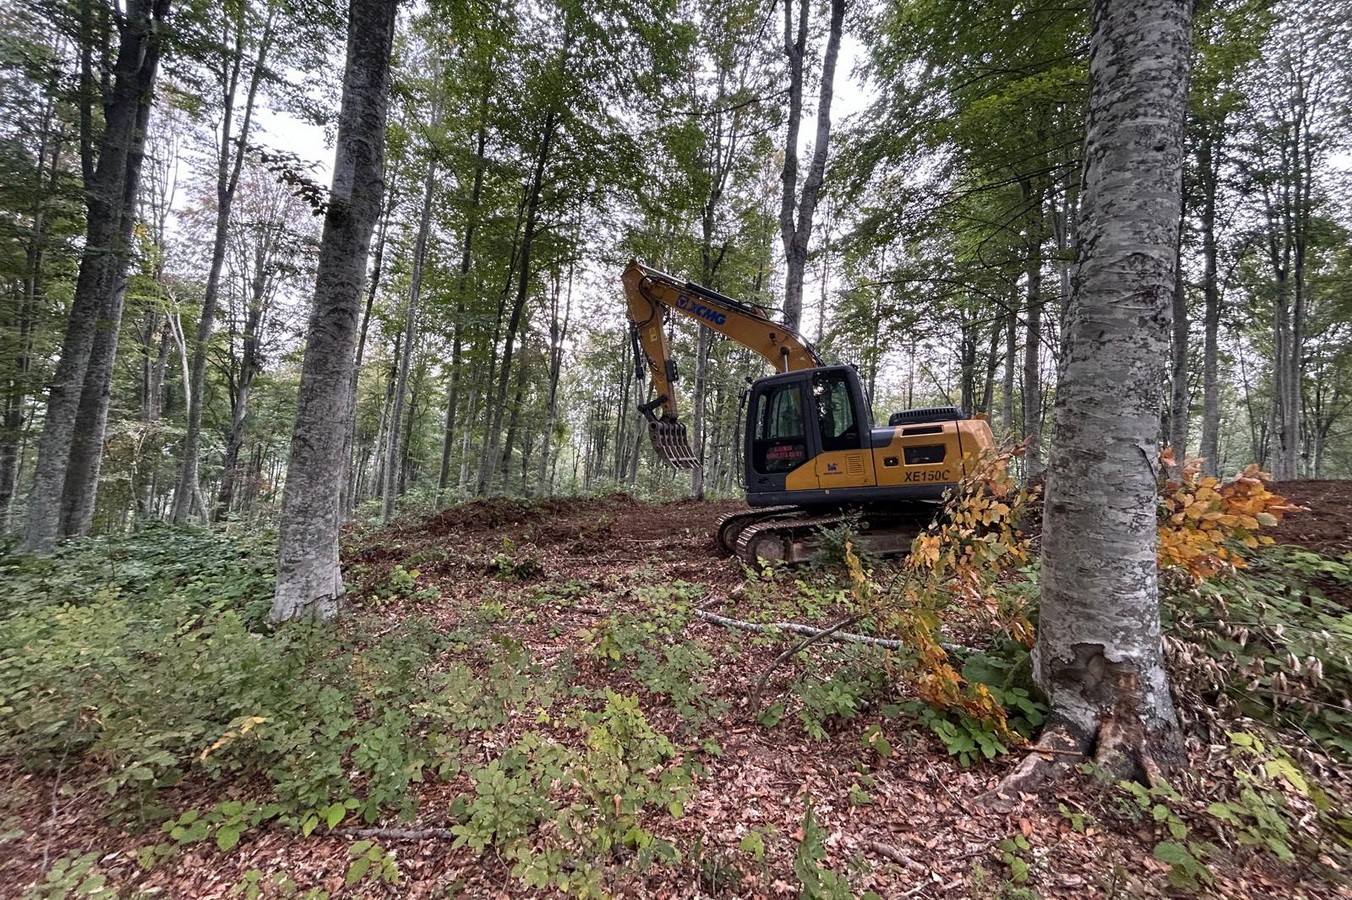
{"x":791,"y":535}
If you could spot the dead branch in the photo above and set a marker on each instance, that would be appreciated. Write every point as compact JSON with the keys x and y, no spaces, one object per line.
{"x":799,"y":628}
{"x":796,"y":648}
{"x":887,"y":851}
{"x":397,"y":834}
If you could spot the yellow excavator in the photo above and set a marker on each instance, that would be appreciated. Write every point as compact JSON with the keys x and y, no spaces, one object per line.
{"x":813,"y":457}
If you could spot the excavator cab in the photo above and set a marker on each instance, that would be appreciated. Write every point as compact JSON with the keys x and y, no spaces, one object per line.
{"x":811,"y":416}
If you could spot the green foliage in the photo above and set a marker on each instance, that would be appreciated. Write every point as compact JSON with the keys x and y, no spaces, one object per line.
{"x":775,"y":594}
{"x":199,"y":569}
{"x":149,"y":690}
{"x":369,"y":862}
{"x":1013,"y":853}
{"x":1273,"y":646}
{"x":73,"y":875}
{"x":515,"y":563}
{"x":402,"y":582}
{"x":1260,"y":812}
{"x":649,"y":635}
{"x":816,"y":882}
{"x":672,"y":671}
{"x":556,"y":812}
{"x":840,"y":697}
{"x":1157,"y":803}
{"x":832,"y":544}
{"x":1004,"y":671}
{"x":968,"y":739}
{"x":255,"y":885}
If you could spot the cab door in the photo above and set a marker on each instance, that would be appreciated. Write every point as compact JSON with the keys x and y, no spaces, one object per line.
{"x":778,"y":440}
{"x":845,"y":458}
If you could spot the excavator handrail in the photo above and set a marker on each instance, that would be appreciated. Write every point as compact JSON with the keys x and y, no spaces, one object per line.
{"x":648,"y":290}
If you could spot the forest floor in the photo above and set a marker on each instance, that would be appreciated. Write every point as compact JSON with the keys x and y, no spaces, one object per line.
{"x":597,"y":593}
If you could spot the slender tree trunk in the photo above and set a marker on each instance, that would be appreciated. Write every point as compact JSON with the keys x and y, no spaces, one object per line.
{"x":353,"y":475}
{"x":390,"y":490}
{"x":1211,"y":391}
{"x":1011,"y":353}
{"x":796,"y":231}
{"x":457,"y":341}
{"x":1099,"y":654}
{"x":522,"y":290}
{"x":558,"y":334}
{"x":249,"y":366}
{"x":229,"y":163}
{"x":103,"y":263}
{"x":1034,"y":196}
{"x":1178,"y":375}
{"x":309,"y":580}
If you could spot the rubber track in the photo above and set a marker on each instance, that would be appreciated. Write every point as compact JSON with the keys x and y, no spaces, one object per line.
{"x":749,"y":534}
{"x":753,"y":516}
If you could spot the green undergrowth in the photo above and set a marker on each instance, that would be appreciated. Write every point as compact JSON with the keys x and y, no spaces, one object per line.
{"x":1268,"y":643}
{"x":645,"y":638}
{"x":142,"y":663}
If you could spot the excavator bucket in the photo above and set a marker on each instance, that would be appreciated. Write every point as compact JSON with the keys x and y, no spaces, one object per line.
{"x":672,"y":443}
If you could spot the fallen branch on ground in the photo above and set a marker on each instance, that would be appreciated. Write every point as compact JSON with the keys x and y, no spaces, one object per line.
{"x":819,"y":633}
{"x":900,"y":857}
{"x":397,"y":834}
{"x":801,"y":645}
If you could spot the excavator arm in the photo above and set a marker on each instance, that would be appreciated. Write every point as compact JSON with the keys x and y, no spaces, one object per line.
{"x":651,"y":293}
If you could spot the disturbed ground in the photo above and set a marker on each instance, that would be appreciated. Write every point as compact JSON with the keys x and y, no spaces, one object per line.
{"x":904,"y":825}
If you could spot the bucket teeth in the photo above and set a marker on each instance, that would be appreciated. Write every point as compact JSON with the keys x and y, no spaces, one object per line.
{"x":672,"y":444}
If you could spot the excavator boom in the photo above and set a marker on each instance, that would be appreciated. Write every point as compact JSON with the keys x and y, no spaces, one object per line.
{"x":650,"y":294}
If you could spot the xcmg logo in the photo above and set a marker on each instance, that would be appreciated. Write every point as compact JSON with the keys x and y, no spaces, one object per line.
{"x":699,"y":309}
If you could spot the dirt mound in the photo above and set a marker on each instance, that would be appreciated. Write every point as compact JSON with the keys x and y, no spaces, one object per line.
{"x":1327,"y":526}
{"x":1324,"y":526}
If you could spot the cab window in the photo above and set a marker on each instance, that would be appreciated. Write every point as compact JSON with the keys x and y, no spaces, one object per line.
{"x":780,"y":442}
{"x":835,"y":412}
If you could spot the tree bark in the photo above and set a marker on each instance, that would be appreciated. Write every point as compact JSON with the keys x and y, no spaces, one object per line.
{"x":229,"y":163}
{"x":1034,"y":193}
{"x":796,"y":231}
{"x":103,"y":263}
{"x":1099,"y":656}
{"x":1178,"y":363}
{"x":309,"y":580}
{"x":391,"y":489}
{"x":1207,"y":165}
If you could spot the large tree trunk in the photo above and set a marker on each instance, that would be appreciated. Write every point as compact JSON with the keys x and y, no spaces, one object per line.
{"x":229,"y":163}
{"x":309,"y":580}
{"x":80,"y":491}
{"x":796,"y":231}
{"x":103,"y":263}
{"x":1099,"y":656}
